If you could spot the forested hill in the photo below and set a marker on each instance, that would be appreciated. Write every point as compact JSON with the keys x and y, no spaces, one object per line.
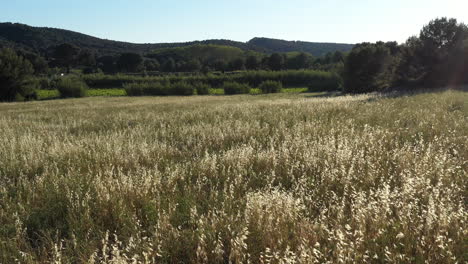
{"x":42,"y":39}
{"x":314,"y":48}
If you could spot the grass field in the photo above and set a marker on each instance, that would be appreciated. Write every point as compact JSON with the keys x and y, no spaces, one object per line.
{"x":279,"y":178}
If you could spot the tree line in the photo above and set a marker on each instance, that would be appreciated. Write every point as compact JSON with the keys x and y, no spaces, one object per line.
{"x":438,"y":56}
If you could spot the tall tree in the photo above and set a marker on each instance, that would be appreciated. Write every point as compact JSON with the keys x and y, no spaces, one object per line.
{"x":369,"y":68}
{"x":14,"y":72}
{"x":130,"y":62}
{"x":251,"y":62}
{"x":66,"y":55}
{"x":276,"y":62}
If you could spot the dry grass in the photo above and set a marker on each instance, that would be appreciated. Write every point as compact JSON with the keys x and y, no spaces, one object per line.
{"x":278,"y":178}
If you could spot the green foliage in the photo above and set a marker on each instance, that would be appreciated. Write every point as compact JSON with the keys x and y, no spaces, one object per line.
{"x":442,"y":50}
{"x":66,"y":55}
{"x":290,"y":78}
{"x":71,"y":86}
{"x":252,"y":63}
{"x":327,"y":82}
{"x":300,"y":61}
{"x":316,"y":49}
{"x":15,"y":71}
{"x":236,"y":88}
{"x":438,"y":57}
{"x":276,"y":62}
{"x":181,"y":88}
{"x":368,"y":68}
{"x":145,"y":88}
{"x":130,"y":62}
{"x":271,"y":87}
{"x":202,"y":88}
{"x":159,"y":88}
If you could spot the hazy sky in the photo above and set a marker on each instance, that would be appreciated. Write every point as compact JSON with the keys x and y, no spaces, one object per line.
{"x":149,"y":21}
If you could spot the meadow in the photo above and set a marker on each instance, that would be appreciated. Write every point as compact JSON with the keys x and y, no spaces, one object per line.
{"x":276,"y":178}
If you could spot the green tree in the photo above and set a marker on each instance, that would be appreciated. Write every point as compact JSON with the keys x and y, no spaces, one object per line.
{"x":87,"y":58}
{"x":368,"y":68}
{"x":440,"y":40}
{"x":169,"y":65}
{"x":220,"y":65}
{"x":237,"y":64}
{"x":14,"y":73}
{"x":193,"y":65}
{"x":276,"y":62}
{"x":107,"y":64}
{"x":130,"y":62}
{"x":252,"y":63}
{"x":66,"y":55}
{"x":300,"y":61}
{"x":152,"y":65}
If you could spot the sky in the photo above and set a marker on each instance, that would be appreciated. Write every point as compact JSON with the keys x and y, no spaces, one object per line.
{"x":156,"y":21}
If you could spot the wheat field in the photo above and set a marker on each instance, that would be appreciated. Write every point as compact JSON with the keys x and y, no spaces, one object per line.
{"x":285,"y":178}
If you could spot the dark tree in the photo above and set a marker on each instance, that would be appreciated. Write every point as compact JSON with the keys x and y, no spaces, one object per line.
{"x":87,"y":58}
{"x":107,"y":64}
{"x":14,"y":73}
{"x":38,"y":62}
{"x":440,"y":41}
{"x":193,"y":65}
{"x":66,"y":55}
{"x":152,"y":65}
{"x":276,"y":62}
{"x":300,"y":61}
{"x":220,"y":65}
{"x":251,"y":63}
{"x":368,"y":68}
{"x":237,"y":64}
{"x":169,"y":65}
{"x":130,"y":62}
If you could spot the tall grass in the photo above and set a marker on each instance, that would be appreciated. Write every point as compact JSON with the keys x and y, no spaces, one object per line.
{"x":278,"y":178}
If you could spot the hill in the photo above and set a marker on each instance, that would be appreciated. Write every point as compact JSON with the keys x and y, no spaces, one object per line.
{"x":41,"y":39}
{"x":314,"y":48}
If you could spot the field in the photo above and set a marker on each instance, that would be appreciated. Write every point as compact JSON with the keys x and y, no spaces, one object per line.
{"x":279,"y":178}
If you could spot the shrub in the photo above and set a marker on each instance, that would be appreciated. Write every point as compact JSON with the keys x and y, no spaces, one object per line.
{"x":14,"y":74}
{"x":71,"y":87}
{"x":202,"y":88}
{"x":271,"y":87}
{"x":146,"y":88}
{"x":236,"y":88}
{"x":181,"y":88}
{"x":44,"y":83}
{"x":329,"y":82}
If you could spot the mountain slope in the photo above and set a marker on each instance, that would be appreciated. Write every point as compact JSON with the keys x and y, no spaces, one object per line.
{"x":314,"y":48}
{"x":42,"y":39}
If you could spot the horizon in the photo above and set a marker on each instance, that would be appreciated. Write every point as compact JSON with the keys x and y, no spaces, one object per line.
{"x":147,"y":22}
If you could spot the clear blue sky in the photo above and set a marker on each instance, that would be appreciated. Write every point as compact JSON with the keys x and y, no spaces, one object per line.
{"x":151,"y":21}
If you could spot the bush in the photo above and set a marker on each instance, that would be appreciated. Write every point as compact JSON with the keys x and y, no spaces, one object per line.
{"x":181,"y":88}
{"x":290,"y":78}
{"x":236,"y":88}
{"x":14,"y":76}
{"x":146,"y":88}
{"x":271,"y":87}
{"x":71,"y":87}
{"x":202,"y":88}
{"x":331,"y":82}
{"x":159,"y":88}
